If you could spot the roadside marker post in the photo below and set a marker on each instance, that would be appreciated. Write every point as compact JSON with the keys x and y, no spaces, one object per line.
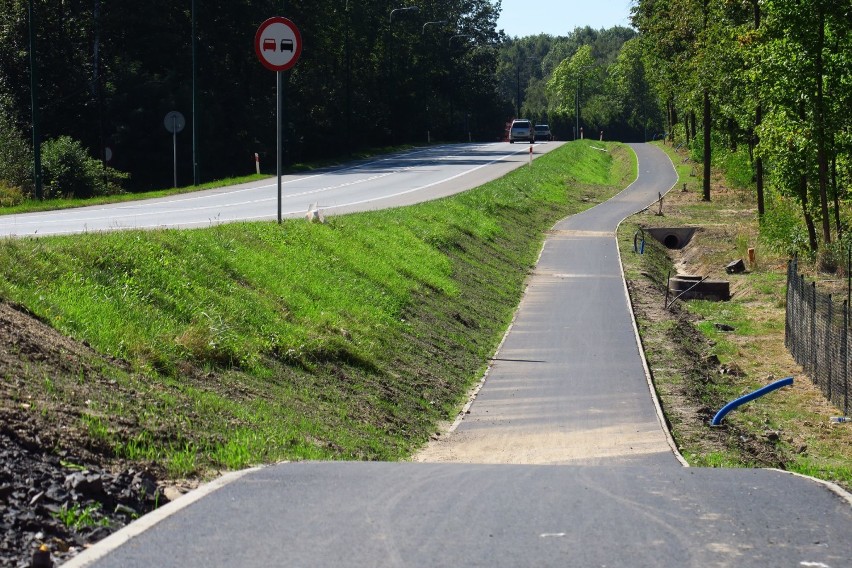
{"x":278,"y":45}
{"x":531,"y":153}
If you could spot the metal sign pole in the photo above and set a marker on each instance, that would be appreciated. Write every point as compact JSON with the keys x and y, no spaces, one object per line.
{"x":279,"y":96}
{"x":174,"y":147}
{"x":278,"y":45}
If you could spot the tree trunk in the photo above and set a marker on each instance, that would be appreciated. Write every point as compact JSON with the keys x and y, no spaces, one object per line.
{"x":758,"y":118}
{"x":837,"y":224}
{"x":732,"y":135}
{"x":707,"y":150}
{"x":809,"y":220}
{"x":758,"y":165}
{"x":669,"y":119}
{"x":822,"y":154}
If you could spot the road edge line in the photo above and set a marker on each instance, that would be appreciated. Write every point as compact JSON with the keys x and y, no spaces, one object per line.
{"x":830,"y":485}
{"x":103,"y":547}
{"x":661,"y":417}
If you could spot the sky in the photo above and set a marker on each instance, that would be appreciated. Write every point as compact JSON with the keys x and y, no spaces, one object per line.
{"x":521,"y":18}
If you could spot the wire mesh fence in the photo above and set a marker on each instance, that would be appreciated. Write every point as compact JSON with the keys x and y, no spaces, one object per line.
{"x":817,"y":334}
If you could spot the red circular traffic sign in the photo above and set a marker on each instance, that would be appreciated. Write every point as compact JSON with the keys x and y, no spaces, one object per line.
{"x":278,"y":43}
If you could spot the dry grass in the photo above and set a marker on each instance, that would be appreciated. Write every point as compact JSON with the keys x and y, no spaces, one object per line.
{"x":696,"y":373}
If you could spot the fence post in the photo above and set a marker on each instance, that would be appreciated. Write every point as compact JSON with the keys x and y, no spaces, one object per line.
{"x":812,"y":352}
{"x":828,"y":333}
{"x":844,"y":350}
{"x":788,"y":312}
{"x":804,"y":306}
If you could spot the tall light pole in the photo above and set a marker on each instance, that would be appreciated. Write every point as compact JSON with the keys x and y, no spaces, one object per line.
{"x":428,"y":117}
{"x":37,"y":181}
{"x":449,"y":45}
{"x":195,"y":174}
{"x":392,"y":82}
{"x":518,"y":100}
{"x":347,"y":50}
{"x":405,"y":9}
{"x":579,"y":74}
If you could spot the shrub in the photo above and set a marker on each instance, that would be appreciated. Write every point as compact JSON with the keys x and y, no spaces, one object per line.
{"x":15,"y":159}
{"x":782,"y":228}
{"x":68,"y":171}
{"x":10,"y":195}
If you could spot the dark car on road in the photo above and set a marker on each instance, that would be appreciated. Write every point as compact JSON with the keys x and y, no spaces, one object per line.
{"x":542,"y":132}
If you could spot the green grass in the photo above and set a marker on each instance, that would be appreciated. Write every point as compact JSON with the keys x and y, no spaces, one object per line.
{"x":77,"y":516}
{"x":254,"y":342}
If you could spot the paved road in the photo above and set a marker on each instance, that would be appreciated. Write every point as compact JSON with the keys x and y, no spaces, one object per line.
{"x":628,"y":503}
{"x":407,"y":514}
{"x":388,"y":181}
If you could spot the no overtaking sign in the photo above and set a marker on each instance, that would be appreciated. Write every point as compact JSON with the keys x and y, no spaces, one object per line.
{"x":278,"y":43}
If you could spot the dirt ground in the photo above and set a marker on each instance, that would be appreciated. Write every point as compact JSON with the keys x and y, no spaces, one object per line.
{"x":696,"y":374}
{"x":58,"y":487}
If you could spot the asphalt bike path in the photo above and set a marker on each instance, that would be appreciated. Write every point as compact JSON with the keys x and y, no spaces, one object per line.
{"x":561,"y":459}
{"x":569,"y":383}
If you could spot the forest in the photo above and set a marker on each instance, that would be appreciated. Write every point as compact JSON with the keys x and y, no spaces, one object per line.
{"x":371,"y":74}
{"x":85,"y":86}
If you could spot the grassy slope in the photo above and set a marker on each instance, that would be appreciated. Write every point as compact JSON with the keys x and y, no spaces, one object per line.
{"x":258,"y":342}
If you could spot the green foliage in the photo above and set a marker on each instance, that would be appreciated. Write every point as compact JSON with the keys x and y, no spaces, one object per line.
{"x":15,"y":162}
{"x":10,"y":196}
{"x":782,"y":228}
{"x":76,"y":516}
{"x":774,"y":71}
{"x":70,"y":172}
{"x":738,"y":167}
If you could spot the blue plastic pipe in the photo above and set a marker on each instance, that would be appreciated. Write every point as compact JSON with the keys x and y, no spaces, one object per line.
{"x":748,"y":398}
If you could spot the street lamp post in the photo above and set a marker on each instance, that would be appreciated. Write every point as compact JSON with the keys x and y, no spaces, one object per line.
{"x":37,"y":180}
{"x":428,"y":118}
{"x":577,"y":100}
{"x":195,"y":174}
{"x":347,"y":49}
{"x":405,"y":9}
{"x":450,"y":42}
{"x":452,"y":109}
{"x":518,"y":79}
{"x":391,"y":67}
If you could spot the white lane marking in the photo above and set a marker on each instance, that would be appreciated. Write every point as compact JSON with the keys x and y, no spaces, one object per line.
{"x":137,"y":527}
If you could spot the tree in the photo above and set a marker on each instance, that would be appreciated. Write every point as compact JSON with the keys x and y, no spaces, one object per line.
{"x":633,"y":95}
{"x":799,"y":56}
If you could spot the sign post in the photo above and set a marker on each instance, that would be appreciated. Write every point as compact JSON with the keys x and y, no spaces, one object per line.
{"x":174,"y":123}
{"x":278,"y":45}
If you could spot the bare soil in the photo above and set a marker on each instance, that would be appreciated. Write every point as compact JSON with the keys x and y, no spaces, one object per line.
{"x":50,"y":467}
{"x":696,"y":373}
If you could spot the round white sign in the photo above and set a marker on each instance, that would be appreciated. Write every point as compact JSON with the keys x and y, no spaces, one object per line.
{"x":278,"y":43}
{"x":174,"y":122}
